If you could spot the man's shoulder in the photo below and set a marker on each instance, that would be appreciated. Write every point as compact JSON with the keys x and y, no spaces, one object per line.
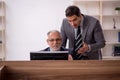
{"x":46,"y":49}
{"x":90,"y":17}
{"x":66,"y":24}
{"x":65,"y":20}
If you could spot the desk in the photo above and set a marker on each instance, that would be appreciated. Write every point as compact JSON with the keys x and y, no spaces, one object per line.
{"x":63,"y":70}
{"x":2,"y":72}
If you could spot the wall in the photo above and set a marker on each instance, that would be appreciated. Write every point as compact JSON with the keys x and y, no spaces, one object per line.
{"x":27,"y":22}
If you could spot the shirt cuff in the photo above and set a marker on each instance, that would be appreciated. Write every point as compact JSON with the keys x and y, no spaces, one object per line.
{"x":89,"y":48}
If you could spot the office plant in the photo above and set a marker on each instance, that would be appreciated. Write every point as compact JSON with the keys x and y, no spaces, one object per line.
{"x":117,"y":10}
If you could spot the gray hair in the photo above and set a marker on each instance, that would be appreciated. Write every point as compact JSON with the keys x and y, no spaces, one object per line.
{"x":51,"y":31}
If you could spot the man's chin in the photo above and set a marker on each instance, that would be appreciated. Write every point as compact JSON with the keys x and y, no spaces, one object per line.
{"x":75,"y":27}
{"x":56,"y":49}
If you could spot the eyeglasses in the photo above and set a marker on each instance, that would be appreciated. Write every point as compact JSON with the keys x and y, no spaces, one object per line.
{"x":57,"y":40}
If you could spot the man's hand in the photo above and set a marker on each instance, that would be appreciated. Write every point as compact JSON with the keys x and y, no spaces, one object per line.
{"x":83,"y":49}
{"x":70,"y":58}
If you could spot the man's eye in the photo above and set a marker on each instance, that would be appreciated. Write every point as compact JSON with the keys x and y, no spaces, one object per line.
{"x":51,"y":40}
{"x":58,"y":39}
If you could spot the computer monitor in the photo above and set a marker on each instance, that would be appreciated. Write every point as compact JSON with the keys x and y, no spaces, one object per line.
{"x":49,"y":55}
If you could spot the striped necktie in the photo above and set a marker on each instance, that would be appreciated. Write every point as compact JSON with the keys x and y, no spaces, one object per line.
{"x":78,"y":40}
{"x":78,"y":43}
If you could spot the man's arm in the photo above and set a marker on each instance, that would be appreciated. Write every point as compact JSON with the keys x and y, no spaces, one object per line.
{"x":98,"y":36}
{"x":63,"y":34}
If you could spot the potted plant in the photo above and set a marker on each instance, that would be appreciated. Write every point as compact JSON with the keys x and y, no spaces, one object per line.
{"x":117,"y":10}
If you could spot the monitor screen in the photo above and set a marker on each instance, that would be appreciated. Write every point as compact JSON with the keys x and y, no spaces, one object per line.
{"x":49,"y":55}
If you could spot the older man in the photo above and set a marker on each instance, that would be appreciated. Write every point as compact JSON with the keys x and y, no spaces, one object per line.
{"x":54,"y":40}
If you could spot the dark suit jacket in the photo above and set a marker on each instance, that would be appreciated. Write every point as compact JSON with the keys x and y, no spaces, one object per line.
{"x":92,"y":34}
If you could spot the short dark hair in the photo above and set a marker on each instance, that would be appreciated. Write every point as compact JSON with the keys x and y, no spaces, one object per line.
{"x":72,"y":10}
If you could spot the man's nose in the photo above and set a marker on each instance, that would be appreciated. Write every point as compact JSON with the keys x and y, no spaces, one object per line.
{"x":55,"y":41}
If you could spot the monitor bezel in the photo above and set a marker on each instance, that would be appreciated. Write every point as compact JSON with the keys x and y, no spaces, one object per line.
{"x":51,"y":55}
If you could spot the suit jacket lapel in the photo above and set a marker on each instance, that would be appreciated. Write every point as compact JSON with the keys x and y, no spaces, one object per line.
{"x":48,"y":49}
{"x":85,"y":27}
{"x":73,"y":35}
